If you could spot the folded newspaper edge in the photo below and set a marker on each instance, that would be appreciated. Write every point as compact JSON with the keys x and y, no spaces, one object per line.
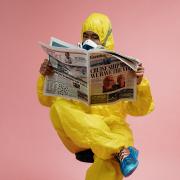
{"x":130,"y":61}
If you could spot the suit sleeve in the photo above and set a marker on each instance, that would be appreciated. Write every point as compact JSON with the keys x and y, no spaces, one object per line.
{"x":143,"y":104}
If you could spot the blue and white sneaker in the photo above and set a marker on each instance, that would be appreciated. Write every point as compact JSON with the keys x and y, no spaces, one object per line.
{"x":128,"y":161}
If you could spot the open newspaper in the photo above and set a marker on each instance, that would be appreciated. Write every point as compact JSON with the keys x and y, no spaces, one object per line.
{"x":93,"y":76}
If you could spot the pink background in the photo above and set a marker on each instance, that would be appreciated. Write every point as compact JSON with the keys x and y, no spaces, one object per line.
{"x":149,"y":30}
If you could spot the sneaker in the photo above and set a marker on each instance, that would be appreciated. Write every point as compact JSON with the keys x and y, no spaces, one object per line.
{"x":85,"y":156}
{"x":128,"y":161}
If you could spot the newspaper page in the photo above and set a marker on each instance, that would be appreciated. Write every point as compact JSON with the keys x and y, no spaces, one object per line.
{"x":110,"y":79}
{"x":70,"y":74}
{"x":96,"y":76}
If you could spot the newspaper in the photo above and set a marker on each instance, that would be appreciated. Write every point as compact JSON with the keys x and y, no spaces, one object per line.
{"x":95,"y":76}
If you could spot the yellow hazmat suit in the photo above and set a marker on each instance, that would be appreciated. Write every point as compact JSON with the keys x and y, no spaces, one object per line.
{"x":101,"y":128}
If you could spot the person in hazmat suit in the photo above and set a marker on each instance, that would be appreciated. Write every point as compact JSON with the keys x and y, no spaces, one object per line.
{"x":99,"y":133}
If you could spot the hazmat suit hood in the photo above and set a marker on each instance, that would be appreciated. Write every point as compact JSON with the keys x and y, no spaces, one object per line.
{"x":101,"y":25}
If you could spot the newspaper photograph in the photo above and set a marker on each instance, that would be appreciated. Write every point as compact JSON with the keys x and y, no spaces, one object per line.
{"x":96,"y":76}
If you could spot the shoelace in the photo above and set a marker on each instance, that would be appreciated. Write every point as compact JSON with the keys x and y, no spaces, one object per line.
{"x":122,"y":154}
